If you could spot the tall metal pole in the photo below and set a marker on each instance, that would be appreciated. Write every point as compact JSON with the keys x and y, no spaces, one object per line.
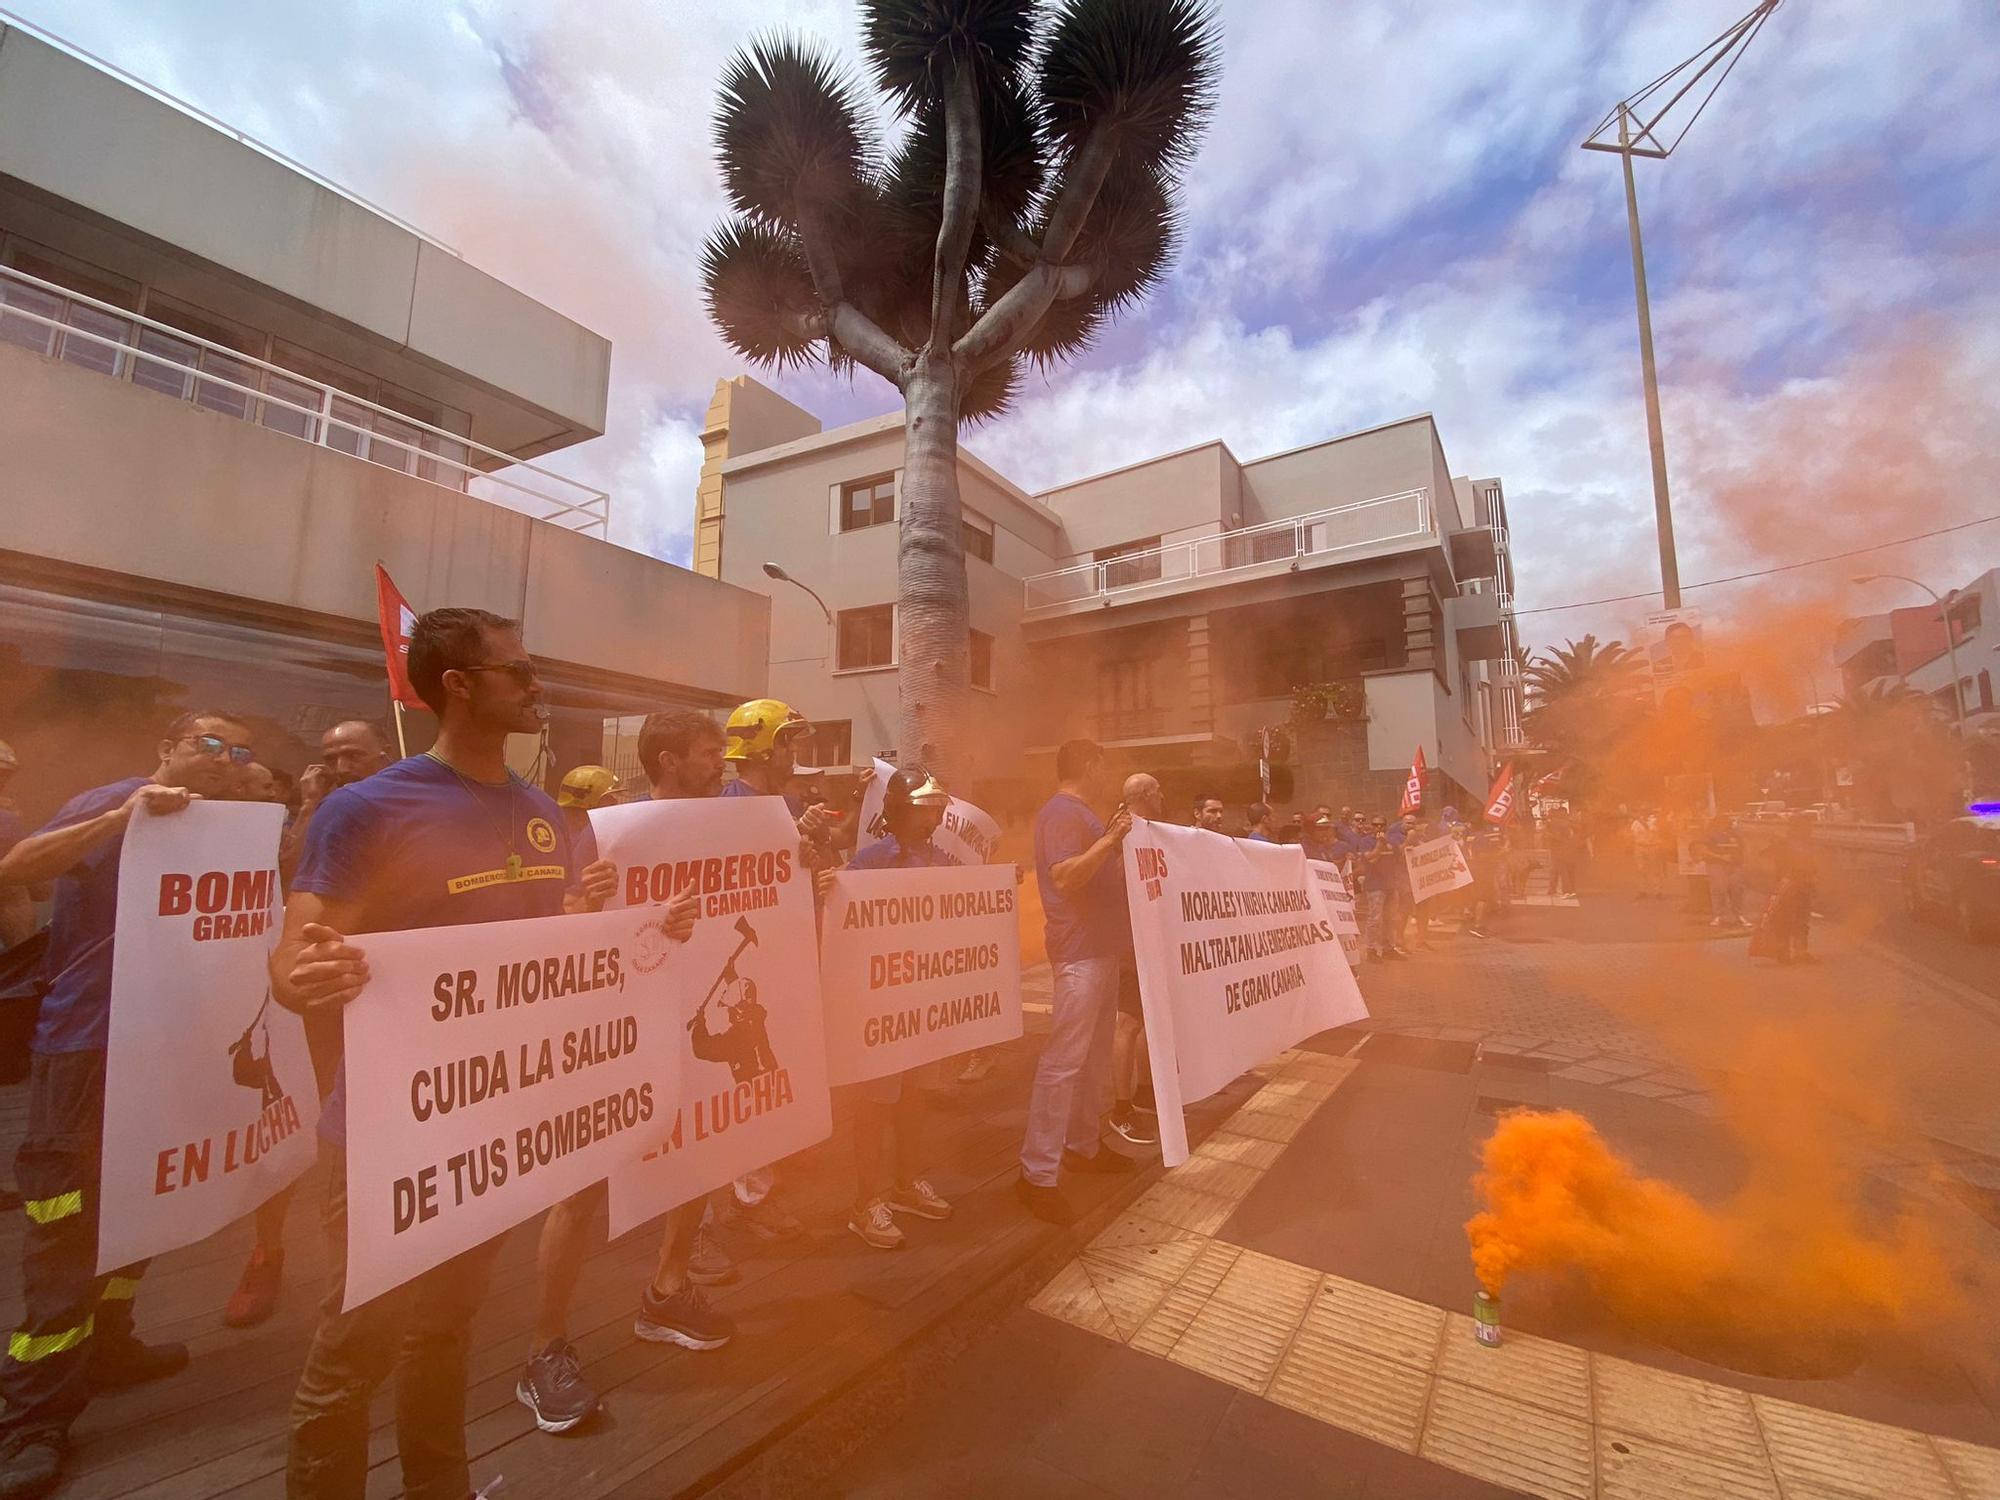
{"x":1663,"y":515}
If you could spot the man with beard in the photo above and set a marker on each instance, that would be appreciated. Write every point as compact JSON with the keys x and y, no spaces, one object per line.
{"x":445,"y":838}
{"x":76,"y":1330}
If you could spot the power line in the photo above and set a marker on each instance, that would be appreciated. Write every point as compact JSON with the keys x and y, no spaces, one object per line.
{"x":1922,"y":536}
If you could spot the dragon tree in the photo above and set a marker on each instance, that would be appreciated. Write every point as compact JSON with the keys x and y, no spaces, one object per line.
{"x":1029,"y":197}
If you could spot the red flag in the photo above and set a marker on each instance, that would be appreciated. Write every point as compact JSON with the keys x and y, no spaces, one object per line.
{"x":1413,"y":789}
{"x":396,"y":617}
{"x":1500,"y":801}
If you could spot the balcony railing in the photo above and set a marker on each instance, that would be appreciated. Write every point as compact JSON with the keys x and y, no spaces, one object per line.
{"x":1343,"y":528}
{"x":67,"y":325}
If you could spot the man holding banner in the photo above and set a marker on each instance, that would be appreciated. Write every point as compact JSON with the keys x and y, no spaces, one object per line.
{"x":76,"y":1330}
{"x":1082,"y":882}
{"x":446,"y":838}
{"x":889,"y":1112}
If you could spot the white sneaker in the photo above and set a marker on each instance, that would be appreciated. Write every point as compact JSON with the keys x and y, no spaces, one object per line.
{"x":876,"y":1226}
{"x":919,"y":1198}
{"x":977,"y":1067}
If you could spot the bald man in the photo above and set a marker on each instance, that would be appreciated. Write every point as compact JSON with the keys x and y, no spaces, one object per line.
{"x":351,"y":751}
{"x":1143,"y":799}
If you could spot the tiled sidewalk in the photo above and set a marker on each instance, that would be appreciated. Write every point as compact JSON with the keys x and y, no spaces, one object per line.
{"x":1533,"y":1415}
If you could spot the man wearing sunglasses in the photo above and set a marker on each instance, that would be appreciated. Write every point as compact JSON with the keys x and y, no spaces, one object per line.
{"x":75,"y":1335}
{"x":440,"y":839}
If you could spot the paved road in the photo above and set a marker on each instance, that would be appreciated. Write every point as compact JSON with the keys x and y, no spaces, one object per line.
{"x":1866,"y":891}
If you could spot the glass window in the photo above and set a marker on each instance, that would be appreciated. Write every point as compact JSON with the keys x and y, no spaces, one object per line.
{"x":171,"y":373}
{"x":978,"y":538}
{"x":25,"y":331}
{"x":99,"y":341}
{"x":831,"y":745}
{"x":868,"y":502}
{"x":1132,"y":563}
{"x":393,"y":444}
{"x":981,"y":673}
{"x":866,"y":638}
{"x":285,"y":418}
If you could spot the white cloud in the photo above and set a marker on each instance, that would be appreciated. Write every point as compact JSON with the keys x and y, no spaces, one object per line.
{"x":1389,"y":214}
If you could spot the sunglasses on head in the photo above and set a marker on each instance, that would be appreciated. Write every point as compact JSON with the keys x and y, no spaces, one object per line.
{"x":523,"y":672}
{"x":215,"y":744}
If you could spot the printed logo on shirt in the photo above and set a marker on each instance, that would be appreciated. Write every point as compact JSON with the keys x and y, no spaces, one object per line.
{"x":459,"y":885}
{"x":541,"y":835}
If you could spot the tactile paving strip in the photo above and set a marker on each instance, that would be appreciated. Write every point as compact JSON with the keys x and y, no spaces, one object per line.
{"x":1505,"y":1441}
{"x":1533,"y":1414}
{"x":1813,"y":1449}
{"x":1635,"y":1468}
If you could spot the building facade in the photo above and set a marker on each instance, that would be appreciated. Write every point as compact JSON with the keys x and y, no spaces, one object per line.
{"x":231,"y":388}
{"x":1329,"y":610}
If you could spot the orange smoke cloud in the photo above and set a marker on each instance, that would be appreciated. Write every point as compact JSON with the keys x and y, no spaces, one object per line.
{"x":1790,"y":1261}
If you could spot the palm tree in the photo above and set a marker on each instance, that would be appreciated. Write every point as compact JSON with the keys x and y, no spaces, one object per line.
{"x":1583,"y":699}
{"x":1031,"y":198}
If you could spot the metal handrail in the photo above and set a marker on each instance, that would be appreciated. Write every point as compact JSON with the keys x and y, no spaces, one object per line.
{"x":1132,"y":562}
{"x":243,"y":138}
{"x":596,"y":505}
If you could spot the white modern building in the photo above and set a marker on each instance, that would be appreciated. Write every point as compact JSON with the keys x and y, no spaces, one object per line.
{"x":1352,"y":595}
{"x":228,"y":388}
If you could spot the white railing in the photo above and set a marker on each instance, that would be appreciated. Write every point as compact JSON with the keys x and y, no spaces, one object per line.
{"x":67,"y":325}
{"x":196,"y":112}
{"x":1364,"y":523}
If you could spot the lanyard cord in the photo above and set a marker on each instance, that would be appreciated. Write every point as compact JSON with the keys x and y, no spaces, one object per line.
{"x":465,"y":785}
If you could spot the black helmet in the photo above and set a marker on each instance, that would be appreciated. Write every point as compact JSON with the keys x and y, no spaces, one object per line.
{"x":911,"y":786}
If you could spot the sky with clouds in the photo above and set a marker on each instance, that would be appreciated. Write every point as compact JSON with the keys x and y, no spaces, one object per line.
{"x":1389,"y":214}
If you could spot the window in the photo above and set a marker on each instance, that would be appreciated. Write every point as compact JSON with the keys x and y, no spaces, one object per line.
{"x":186,"y":356}
{"x":1125,"y":707}
{"x":978,"y":538}
{"x":865,"y":638}
{"x":981,"y":654}
{"x":868,"y":502}
{"x":831,"y":745}
{"x":1964,"y":619}
{"x":91,"y":353}
{"x":1131,"y":563}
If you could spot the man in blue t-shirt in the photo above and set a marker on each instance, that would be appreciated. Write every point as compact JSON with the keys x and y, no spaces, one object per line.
{"x":1080,"y":872}
{"x":439,"y":839}
{"x":889,"y":1112}
{"x":76,"y":1332}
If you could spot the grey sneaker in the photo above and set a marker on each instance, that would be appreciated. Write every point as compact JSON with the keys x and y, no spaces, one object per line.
{"x":708,"y":1263}
{"x":552,"y":1387}
{"x":919,"y":1198}
{"x":876,"y":1226}
{"x":766,"y":1220}
{"x":682,"y":1317}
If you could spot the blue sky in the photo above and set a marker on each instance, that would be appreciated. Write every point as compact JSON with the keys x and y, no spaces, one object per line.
{"x":1389,"y":214}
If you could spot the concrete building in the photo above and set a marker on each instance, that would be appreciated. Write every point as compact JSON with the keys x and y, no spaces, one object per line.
{"x":1908,"y":646}
{"x":1352,"y":595}
{"x":231,"y":387}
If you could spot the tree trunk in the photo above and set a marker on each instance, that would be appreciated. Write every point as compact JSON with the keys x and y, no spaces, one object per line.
{"x":931,"y":609}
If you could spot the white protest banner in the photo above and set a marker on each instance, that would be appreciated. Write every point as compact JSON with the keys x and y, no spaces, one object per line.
{"x":1339,"y":901}
{"x":967,"y":834}
{"x":493,"y":1069}
{"x":745,"y":991}
{"x":1436,"y":866}
{"x":1237,"y":961}
{"x":918,"y":965}
{"x":209,"y":1101}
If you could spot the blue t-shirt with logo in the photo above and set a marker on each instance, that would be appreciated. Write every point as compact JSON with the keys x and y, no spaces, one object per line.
{"x":892,"y":853}
{"x":76,"y":1012}
{"x":1093,"y":923}
{"x":418,"y":845}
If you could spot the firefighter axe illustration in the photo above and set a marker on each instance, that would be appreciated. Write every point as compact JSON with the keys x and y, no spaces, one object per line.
{"x":747,"y":938}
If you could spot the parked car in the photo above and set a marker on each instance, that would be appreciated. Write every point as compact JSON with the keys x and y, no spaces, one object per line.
{"x":1955,"y":869}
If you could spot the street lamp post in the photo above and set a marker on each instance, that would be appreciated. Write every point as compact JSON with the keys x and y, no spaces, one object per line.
{"x":1640,"y":120}
{"x":772,"y":570}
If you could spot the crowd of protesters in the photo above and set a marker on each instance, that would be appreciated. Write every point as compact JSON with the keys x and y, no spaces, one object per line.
{"x":376,"y":843}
